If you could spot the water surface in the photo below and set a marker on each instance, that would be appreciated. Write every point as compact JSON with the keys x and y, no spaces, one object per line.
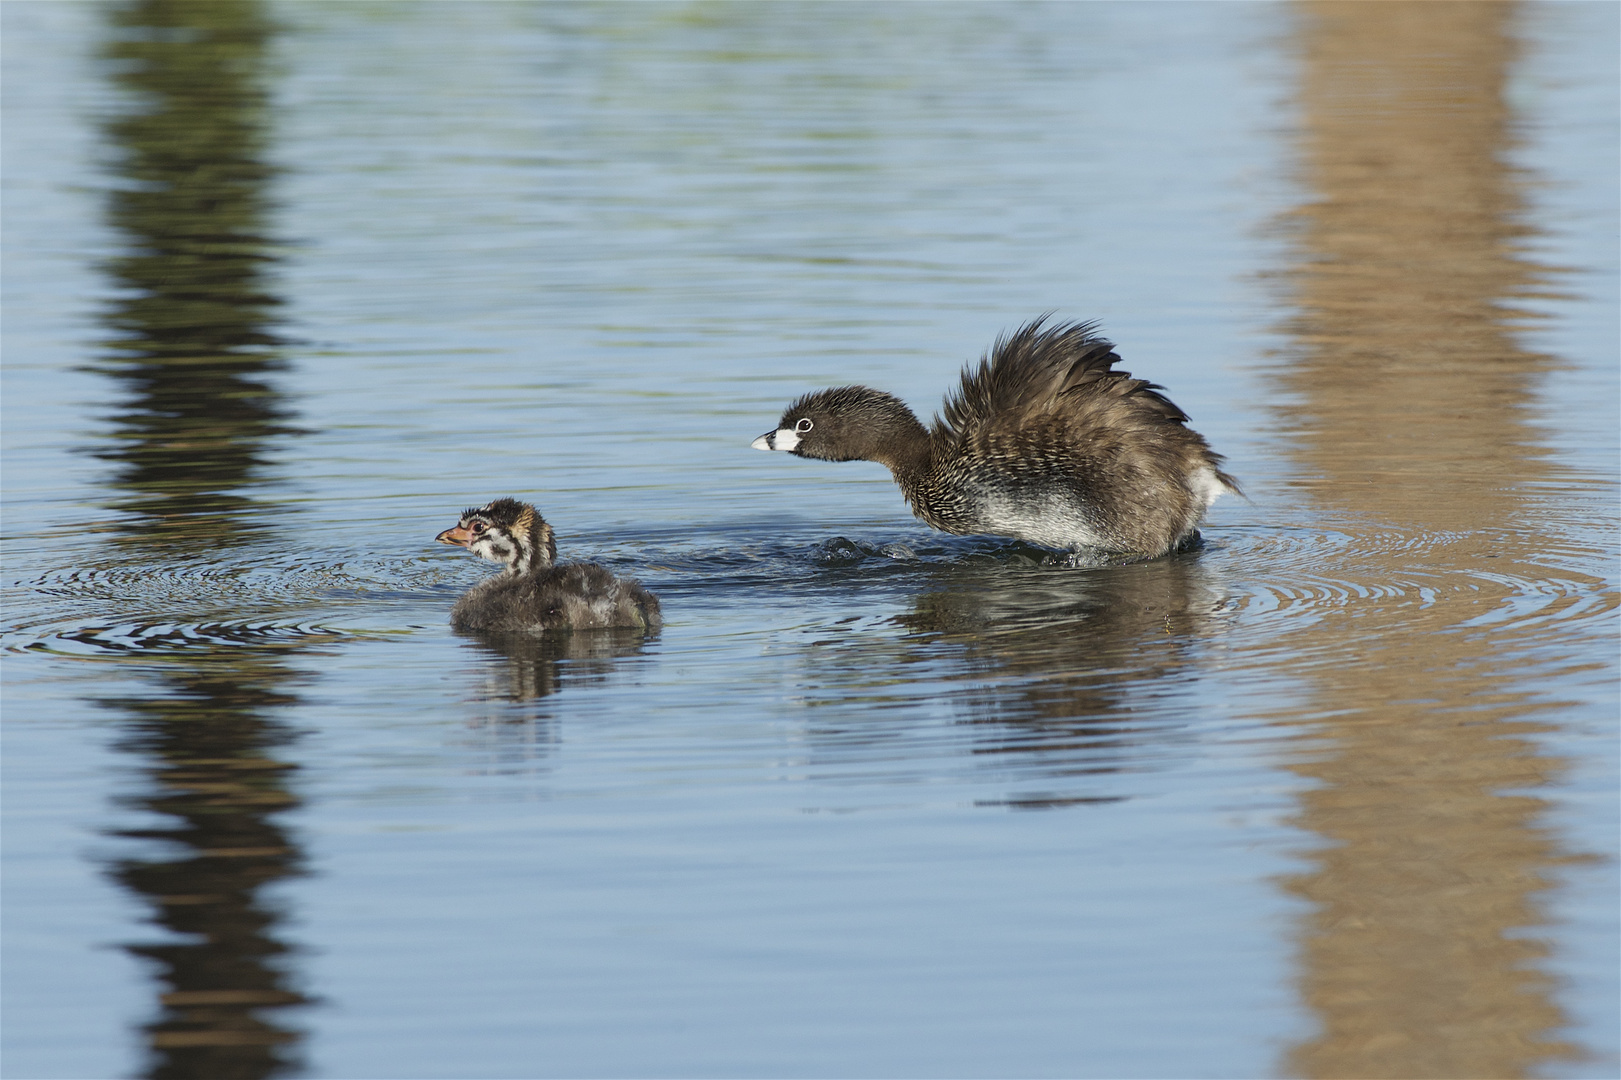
{"x":287,"y":286}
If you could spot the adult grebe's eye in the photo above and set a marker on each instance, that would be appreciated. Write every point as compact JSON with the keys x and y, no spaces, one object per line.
{"x":804,"y":426}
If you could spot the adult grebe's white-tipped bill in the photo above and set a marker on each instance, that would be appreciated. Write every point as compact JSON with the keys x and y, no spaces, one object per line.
{"x":781,"y":439}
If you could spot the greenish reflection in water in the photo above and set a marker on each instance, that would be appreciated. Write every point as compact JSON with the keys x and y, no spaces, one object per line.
{"x":191,"y":336}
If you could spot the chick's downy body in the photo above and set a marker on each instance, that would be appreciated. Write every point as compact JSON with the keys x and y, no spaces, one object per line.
{"x":533,"y":592}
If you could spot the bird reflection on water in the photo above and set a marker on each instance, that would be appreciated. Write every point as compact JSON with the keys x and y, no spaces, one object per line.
{"x":528,"y":667}
{"x":509,"y":720}
{"x":1046,"y":669}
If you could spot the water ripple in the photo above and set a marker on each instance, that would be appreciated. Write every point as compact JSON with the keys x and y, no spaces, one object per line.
{"x":1271,"y":580}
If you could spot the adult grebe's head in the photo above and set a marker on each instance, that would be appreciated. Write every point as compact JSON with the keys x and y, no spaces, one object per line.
{"x":846,"y":423}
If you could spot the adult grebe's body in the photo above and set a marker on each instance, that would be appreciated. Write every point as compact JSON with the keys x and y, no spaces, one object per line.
{"x":1043,"y":441}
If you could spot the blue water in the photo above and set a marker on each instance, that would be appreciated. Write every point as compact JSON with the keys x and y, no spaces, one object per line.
{"x":875,"y":801}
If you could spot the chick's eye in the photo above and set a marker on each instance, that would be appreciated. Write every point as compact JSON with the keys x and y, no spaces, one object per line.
{"x":476,"y":527}
{"x":804,"y":426}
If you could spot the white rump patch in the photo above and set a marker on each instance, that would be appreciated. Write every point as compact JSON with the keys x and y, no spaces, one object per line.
{"x":1205,"y":487}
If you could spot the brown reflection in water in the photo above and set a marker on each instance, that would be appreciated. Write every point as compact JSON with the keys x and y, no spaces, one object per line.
{"x":190,"y":341}
{"x":1420,"y":956}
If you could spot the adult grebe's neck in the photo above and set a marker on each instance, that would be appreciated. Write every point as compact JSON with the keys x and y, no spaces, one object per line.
{"x":905,"y":447}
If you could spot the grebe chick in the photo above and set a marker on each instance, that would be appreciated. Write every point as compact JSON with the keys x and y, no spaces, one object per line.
{"x":1043,"y":441}
{"x":533,"y":592}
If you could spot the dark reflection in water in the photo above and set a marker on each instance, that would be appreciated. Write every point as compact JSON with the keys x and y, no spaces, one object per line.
{"x":191,"y":341}
{"x":1421,"y":955}
{"x":218,"y":785}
